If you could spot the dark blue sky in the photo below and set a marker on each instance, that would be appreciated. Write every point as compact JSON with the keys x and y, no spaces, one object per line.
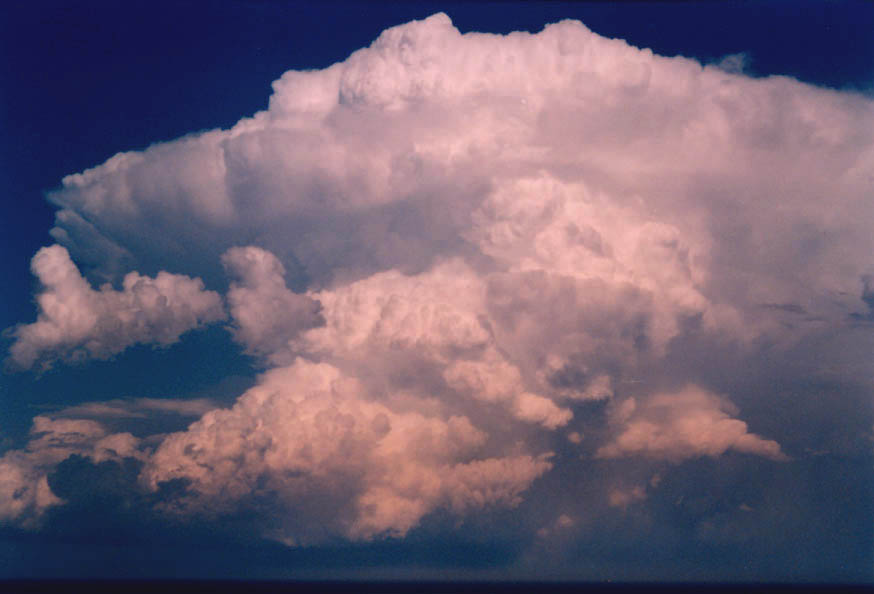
{"x":81,"y":81}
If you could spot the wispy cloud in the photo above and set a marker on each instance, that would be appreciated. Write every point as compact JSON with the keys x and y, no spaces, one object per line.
{"x":135,"y":408}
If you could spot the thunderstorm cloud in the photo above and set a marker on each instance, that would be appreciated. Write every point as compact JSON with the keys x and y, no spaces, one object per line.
{"x":462,"y":264}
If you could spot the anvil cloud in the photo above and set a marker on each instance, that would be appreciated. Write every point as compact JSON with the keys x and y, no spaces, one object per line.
{"x":455,"y":256}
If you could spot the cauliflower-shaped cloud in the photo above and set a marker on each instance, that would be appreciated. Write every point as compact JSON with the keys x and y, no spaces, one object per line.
{"x":340,"y":461}
{"x":491,"y":240}
{"x":76,"y":322}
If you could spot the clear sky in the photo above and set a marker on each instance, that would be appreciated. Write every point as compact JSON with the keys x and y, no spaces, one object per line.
{"x":546,"y":290}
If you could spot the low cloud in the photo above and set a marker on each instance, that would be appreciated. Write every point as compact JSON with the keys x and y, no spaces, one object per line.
{"x":686,"y":424}
{"x":335,"y":460}
{"x":25,"y":493}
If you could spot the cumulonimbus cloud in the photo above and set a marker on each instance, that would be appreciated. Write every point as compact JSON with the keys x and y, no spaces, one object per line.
{"x":484,"y":232}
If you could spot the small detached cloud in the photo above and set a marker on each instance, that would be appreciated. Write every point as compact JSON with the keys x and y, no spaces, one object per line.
{"x":136,"y":408}
{"x":562,"y":523}
{"x":676,"y":426}
{"x":622,"y":498}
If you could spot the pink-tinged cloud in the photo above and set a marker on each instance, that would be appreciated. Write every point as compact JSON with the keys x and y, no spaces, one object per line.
{"x":619,"y":497}
{"x":491,"y":239}
{"x":76,"y":322}
{"x":266,"y":314}
{"x":336,"y":459}
{"x":676,"y":426}
{"x":25,"y":494}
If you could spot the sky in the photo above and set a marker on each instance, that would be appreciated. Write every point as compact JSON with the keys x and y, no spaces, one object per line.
{"x":542,"y":291}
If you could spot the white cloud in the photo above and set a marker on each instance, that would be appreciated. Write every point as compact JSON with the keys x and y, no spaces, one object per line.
{"x":676,"y":192}
{"x":266,"y":314}
{"x":76,"y":322}
{"x":534,"y":408}
{"x":434,"y":325}
{"x":488,"y":234}
{"x":337,"y":461}
{"x":686,"y":424}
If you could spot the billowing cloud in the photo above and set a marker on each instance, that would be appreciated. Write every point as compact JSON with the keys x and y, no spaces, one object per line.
{"x":76,"y":322}
{"x":432,"y":332}
{"x":685,"y":424}
{"x":25,"y":493}
{"x":338,"y":461}
{"x":453,"y":252}
{"x":520,"y":149}
{"x":266,"y":314}
{"x":24,"y":490}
